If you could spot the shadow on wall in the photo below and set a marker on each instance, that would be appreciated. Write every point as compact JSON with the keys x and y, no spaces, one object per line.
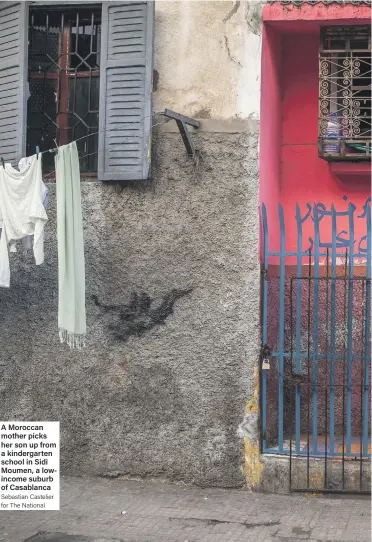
{"x":140,"y":316}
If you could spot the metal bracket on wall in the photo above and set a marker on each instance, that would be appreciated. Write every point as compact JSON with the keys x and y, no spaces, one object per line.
{"x":181,"y":121}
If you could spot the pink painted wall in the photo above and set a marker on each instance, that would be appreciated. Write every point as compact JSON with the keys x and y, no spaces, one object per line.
{"x":289,"y":121}
{"x":291,"y":172}
{"x":271,"y":105}
{"x":304,"y":176}
{"x":316,"y":14}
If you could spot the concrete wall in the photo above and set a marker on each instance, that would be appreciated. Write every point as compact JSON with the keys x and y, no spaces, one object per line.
{"x":172,"y":280}
{"x":208,"y":58}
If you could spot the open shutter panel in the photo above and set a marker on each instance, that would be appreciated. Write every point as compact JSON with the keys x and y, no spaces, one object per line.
{"x":13,"y":79}
{"x":126,"y":90}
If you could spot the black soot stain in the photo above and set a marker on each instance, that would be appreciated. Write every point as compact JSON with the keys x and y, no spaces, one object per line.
{"x":140,"y":315}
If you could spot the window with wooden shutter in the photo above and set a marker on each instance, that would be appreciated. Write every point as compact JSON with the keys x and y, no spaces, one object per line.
{"x":13,"y":79}
{"x":125,"y":90}
{"x":78,"y":69}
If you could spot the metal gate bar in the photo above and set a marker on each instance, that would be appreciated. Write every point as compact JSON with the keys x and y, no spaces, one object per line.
{"x":327,"y":484}
{"x":319,"y":255}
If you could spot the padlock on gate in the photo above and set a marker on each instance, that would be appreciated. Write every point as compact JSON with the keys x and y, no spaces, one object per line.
{"x":265,"y":364}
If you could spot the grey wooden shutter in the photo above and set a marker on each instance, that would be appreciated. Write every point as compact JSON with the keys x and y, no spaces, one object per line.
{"x":125,"y":90}
{"x":13,"y":79}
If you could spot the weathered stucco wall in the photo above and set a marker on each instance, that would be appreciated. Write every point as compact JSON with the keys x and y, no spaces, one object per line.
{"x":172,"y":279}
{"x":208,"y":58}
{"x":172,"y":309}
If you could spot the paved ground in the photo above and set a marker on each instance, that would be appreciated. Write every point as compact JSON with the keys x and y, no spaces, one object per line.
{"x":91,"y":511}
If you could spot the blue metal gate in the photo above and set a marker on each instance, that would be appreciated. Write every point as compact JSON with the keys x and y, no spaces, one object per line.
{"x":316,"y":333}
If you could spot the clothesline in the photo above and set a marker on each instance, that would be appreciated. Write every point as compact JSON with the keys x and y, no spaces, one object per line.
{"x":95,"y":152}
{"x":55,"y":149}
{"x":101,"y":132}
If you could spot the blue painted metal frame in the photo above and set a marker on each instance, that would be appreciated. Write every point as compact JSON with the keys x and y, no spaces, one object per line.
{"x":342,"y":245}
{"x":298,"y":328}
{"x":264,"y":321}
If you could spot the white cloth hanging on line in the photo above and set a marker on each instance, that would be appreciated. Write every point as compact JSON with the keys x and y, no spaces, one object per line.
{"x":22,"y":212}
{"x":71,"y":263}
{"x":28,"y":241}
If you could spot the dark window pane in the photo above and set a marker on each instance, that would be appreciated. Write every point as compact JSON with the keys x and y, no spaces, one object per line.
{"x":64,"y":101}
{"x":43,"y":96}
{"x":44,"y":42}
{"x":336,"y":43}
{"x":359,"y":43}
{"x":84,"y":96}
{"x":41,"y":133}
{"x":41,"y":116}
{"x":83,"y":118}
{"x":87,"y":148}
{"x":85,"y":41}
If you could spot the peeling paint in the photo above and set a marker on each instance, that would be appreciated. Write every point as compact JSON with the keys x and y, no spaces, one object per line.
{"x":253,"y":467}
{"x":249,"y":426}
{"x":300,"y":3}
{"x":248,"y":429}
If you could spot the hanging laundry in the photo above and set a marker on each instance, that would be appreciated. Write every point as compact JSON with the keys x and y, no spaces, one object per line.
{"x":27,"y":242}
{"x":22,"y":212}
{"x":71,"y":264}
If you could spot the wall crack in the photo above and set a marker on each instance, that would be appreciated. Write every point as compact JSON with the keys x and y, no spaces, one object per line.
{"x":229,"y":53}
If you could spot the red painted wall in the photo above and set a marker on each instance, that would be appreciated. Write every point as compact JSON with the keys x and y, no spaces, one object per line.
{"x":304,"y":176}
{"x":291,"y":172}
{"x":289,"y":122}
{"x":271,"y":107}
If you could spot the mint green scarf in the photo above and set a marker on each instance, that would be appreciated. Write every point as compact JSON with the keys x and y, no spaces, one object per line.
{"x":71,"y":265}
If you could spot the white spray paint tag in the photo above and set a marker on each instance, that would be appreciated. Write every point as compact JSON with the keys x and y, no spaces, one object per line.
{"x":265,"y":364}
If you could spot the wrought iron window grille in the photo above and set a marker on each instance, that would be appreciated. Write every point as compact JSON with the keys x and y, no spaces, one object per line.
{"x":345,"y":93}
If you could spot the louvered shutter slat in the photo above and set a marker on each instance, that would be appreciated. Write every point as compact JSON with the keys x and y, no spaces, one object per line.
{"x":126,"y":90}
{"x":13,"y":78}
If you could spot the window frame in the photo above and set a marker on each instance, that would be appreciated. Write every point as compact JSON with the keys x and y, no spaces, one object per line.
{"x":64,"y":75}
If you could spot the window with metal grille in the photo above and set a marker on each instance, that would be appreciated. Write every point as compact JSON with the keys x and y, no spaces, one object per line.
{"x":345,"y":93}
{"x":63,"y":75}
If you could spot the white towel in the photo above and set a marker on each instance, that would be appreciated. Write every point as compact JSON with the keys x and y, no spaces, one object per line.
{"x":22,"y":212}
{"x":71,"y":265}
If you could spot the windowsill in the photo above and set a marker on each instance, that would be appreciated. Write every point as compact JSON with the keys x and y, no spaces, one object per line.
{"x":348,"y":170}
